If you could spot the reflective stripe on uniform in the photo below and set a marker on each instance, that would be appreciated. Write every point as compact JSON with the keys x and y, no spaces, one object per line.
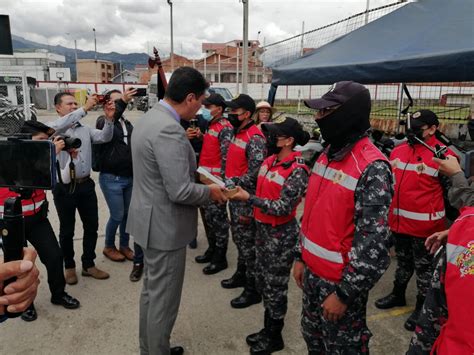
{"x":28,"y":208}
{"x":417,"y":168}
{"x":453,"y":251}
{"x":239,"y":143}
{"x":275,"y":177}
{"x":321,"y":252}
{"x":211,"y":170}
{"x":213,"y":133}
{"x":419,"y":216}
{"x":336,"y":176}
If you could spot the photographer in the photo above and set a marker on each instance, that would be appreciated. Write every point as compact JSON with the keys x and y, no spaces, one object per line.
{"x":20,"y":293}
{"x":38,"y":230}
{"x":77,"y":190}
{"x":114,"y":161}
{"x":446,"y":322}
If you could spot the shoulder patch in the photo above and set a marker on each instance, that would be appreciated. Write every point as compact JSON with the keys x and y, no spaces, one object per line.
{"x":300,"y":160}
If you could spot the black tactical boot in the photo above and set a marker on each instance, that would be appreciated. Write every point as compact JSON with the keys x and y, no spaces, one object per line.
{"x":218,"y":262}
{"x":394,"y":299}
{"x":273,"y":341}
{"x":237,"y":280}
{"x":207,"y":256}
{"x":410,"y":323}
{"x":254,"y":338}
{"x":248,"y":297}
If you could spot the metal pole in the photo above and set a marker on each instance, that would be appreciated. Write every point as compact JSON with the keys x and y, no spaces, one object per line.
{"x":245,"y":57}
{"x":263,"y":67}
{"x":75,"y":50}
{"x":237,"y":71}
{"x":219,"y":68}
{"x":26,"y":96}
{"x":95,"y":54}
{"x":171,"y":34}
{"x":121,"y":72}
{"x":367,"y":12}
{"x":400,"y":104}
{"x":302,"y":39}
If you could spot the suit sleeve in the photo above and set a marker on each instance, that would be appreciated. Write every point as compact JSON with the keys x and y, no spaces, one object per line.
{"x":171,"y":149}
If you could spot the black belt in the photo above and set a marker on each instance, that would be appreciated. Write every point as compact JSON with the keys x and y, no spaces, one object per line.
{"x":82,"y":179}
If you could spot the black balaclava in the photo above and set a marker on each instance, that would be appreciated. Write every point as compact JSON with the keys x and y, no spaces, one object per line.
{"x":348,"y":122}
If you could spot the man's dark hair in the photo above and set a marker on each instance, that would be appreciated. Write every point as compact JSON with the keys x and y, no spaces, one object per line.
{"x":59,"y":97}
{"x":185,"y":81}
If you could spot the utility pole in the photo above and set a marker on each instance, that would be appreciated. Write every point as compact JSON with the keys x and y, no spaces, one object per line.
{"x":245,"y":42}
{"x":121,"y":72}
{"x":302,"y":39}
{"x":75,"y":50}
{"x":237,"y":71}
{"x":367,"y":12}
{"x":219,"y":68}
{"x":170,"y":3}
{"x":95,"y":54}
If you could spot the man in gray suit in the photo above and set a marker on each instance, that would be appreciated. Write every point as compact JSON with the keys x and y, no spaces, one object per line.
{"x":163,"y":211}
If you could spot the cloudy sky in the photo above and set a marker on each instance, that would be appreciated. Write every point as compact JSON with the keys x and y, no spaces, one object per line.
{"x":127,"y":26}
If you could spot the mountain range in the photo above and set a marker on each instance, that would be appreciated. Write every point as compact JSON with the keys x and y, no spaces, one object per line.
{"x":129,"y":61}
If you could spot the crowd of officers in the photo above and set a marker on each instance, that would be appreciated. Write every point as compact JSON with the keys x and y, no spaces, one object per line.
{"x":357,"y":204}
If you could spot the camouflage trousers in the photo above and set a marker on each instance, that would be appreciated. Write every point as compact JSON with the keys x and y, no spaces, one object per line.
{"x":217,"y":221}
{"x":274,"y":258}
{"x":347,"y":336}
{"x":412,"y":256}
{"x":242,"y":225}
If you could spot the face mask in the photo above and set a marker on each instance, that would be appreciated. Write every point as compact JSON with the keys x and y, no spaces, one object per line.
{"x":233,"y":118}
{"x":412,"y":133}
{"x":347,"y":122}
{"x":272,"y":146}
{"x":206,"y":114}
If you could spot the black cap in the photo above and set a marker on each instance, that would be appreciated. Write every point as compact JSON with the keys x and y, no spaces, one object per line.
{"x":34,"y":127}
{"x":289,"y":127}
{"x":424,"y":117}
{"x":242,"y":101}
{"x":215,"y":99}
{"x":339,"y":94}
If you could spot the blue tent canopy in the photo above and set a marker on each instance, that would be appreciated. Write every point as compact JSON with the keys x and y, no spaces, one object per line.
{"x":424,"y":41}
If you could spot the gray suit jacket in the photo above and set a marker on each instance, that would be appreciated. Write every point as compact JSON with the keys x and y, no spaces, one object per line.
{"x":163,"y":209}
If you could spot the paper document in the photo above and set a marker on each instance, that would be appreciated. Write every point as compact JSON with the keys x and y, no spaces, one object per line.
{"x":211,"y":177}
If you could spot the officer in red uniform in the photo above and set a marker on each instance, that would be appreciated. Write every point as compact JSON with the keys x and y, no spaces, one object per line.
{"x":244,"y":158}
{"x":38,"y":230}
{"x":446,"y":321}
{"x":281,"y":184}
{"x":417,"y":212}
{"x":213,"y":158}
{"x":344,"y":233}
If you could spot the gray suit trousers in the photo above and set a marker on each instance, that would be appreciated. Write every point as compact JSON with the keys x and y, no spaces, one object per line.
{"x":160,"y":298}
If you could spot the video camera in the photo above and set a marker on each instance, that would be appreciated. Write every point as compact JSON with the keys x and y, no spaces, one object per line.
{"x":26,"y":165}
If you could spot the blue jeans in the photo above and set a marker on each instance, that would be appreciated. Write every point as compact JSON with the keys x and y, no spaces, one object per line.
{"x":117,"y":191}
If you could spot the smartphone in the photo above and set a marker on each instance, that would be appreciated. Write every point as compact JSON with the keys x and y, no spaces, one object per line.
{"x":140,"y":92}
{"x":469,"y":164}
{"x":193,"y":123}
{"x":25,"y":163}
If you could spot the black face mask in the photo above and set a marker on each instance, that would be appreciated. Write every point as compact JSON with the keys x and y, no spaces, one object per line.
{"x":272,"y":147}
{"x":233,"y":118}
{"x":349,"y":121}
{"x":412,"y":134}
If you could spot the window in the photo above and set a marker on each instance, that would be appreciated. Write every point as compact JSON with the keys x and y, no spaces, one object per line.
{"x":109,"y":67}
{"x":103,"y":74}
{"x":103,"y":66}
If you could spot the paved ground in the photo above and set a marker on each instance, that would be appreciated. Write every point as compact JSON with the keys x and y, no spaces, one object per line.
{"x":107,"y":321}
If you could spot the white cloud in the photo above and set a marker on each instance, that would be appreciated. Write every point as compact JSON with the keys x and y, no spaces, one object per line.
{"x":135,"y":26}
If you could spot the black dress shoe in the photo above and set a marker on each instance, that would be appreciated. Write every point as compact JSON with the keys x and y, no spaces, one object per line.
{"x":66,"y":301}
{"x":193,"y":244}
{"x":176,"y":350}
{"x":246,"y":299}
{"x":30,"y":314}
{"x":390,"y":301}
{"x":136,"y":273}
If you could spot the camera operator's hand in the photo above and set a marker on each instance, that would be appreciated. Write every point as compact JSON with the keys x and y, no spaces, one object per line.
{"x":91,"y":102}
{"x":129,"y":94}
{"x":217,"y":194}
{"x":109,"y":110}
{"x":191,"y":133}
{"x":59,"y":144}
{"x":434,"y":241}
{"x":19,"y":294}
{"x":74,"y":152}
{"x":449,"y":166}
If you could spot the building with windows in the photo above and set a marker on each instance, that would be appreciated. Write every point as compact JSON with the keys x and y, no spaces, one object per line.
{"x":39,"y":64}
{"x":98,"y":71}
